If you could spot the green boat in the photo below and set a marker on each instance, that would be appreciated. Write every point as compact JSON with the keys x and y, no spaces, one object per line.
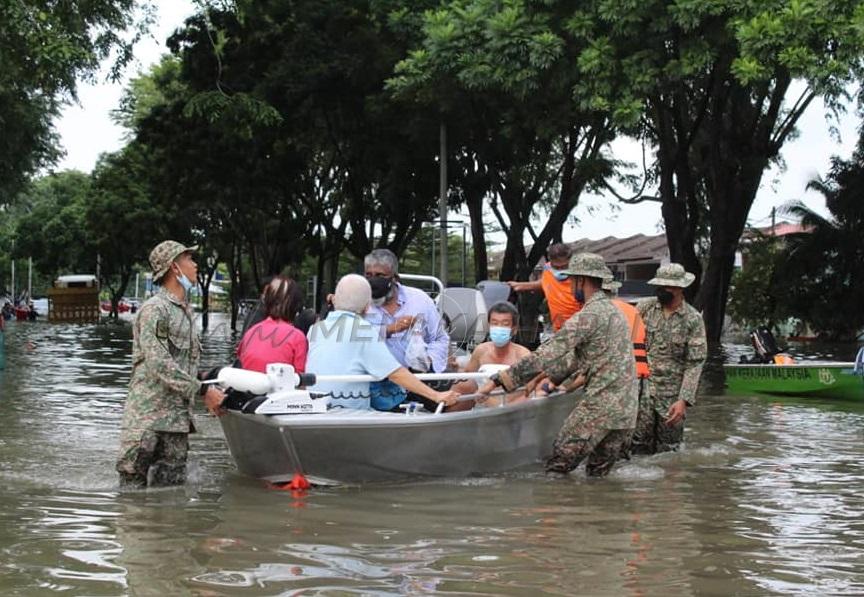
{"x":833,"y":380}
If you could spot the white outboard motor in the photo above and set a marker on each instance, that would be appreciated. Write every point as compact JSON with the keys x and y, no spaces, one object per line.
{"x":279,"y":388}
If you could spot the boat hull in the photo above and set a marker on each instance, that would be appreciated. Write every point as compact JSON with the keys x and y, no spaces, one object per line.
{"x":817,"y":380}
{"x":346,"y":446}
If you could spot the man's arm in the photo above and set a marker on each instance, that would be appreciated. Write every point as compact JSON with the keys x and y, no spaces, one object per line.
{"x":405,"y":379}
{"x":153,"y":341}
{"x":554,"y":357}
{"x":469,"y":385}
{"x":437,"y":340}
{"x":525,"y":286}
{"x":694,"y":358}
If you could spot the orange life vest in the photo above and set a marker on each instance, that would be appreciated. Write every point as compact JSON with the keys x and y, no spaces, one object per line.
{"x":783,"y":359}
{"x":559,"y":297}
{"x":637,"y":336}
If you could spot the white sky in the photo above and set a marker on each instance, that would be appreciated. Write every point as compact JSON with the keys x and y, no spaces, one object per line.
{"x":86,"y":131}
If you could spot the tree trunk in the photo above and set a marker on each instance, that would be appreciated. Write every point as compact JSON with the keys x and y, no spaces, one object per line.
{"x":474,"y":202}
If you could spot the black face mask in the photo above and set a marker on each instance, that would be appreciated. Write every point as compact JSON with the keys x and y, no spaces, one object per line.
{"x":664,"y":296}
{"x":380,"y":286}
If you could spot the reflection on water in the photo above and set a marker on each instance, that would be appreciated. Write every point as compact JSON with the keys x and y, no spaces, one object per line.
{"x":765,"y":499}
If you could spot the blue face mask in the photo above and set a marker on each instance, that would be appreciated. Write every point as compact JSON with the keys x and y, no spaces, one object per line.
{"x":184,"y":282}
{"x":500,"y":336}
{"x":558,"y":274}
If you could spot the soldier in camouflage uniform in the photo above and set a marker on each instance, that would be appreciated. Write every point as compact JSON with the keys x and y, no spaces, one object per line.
{"x":677,"y":349}
{"x":594,"y":342}
{"x":157,"y":417}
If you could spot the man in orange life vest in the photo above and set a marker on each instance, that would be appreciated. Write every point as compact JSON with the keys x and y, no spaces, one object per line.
{"x":554,"y":285}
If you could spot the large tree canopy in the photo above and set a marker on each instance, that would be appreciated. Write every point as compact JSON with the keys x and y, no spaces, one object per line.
{"x":705,"y":82}
{"x":45,"y":47}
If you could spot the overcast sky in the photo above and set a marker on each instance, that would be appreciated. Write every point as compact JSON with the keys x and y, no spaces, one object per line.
{"x":87,"y":131}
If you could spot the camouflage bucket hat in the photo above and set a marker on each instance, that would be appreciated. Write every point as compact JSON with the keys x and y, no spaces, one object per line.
{"x":591,"y":265}
{"x":164,"y":254}
{"x":672,"y":274}
{"x":611,"y":284}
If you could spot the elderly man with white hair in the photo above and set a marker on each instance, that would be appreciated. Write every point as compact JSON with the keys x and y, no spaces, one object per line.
{"x":346,"y":344}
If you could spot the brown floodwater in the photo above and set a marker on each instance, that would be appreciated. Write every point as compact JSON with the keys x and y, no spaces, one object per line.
{"x":767,"y":497}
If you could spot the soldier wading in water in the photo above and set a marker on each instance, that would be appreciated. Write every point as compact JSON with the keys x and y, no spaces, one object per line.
{"x":157,"y":418}
{"x":676,"y":345}
{"x":595,"y":342}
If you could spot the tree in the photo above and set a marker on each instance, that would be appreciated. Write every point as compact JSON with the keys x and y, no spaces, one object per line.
{"x":502,"y":76}
{"x":823,"y":282}
{"x":122,"y":220}
{"x":44,"y":49}
{"x":754,"y":297}
{"x":347,"y":167}
{"x":50,"y":224}
{"x":713,"y":81}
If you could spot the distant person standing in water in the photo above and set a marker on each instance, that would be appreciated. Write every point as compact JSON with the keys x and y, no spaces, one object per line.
{"x":157,"y":417}
{"x":677,"y":348}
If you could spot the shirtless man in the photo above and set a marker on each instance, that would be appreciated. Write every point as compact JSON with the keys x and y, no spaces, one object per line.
{"x":499,"y":350}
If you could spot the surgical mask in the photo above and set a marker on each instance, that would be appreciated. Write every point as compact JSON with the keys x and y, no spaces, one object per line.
{"x":500,"y":336}
{"x":664,"y":296}
{"x":184,"y":281}
{"x":558,"y":274}
{"x":381,"y":289}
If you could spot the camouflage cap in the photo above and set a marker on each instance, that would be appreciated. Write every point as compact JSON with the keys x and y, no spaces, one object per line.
{"x":672,"y":274}
{"x":590,"y":265}
{"x":611,"y":284}
{"x":164,"y":254}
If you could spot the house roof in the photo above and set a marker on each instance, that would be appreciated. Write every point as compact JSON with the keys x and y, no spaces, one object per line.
{"x":638,"y":248}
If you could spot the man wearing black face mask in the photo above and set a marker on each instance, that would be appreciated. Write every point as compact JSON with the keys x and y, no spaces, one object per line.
{"x":677,"y":348}
{"x":401,"y":311}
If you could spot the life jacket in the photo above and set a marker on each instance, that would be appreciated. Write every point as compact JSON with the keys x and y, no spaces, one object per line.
{"x":637,"y":336}
{"x":783,"y":359}
{"x":559,"y":296}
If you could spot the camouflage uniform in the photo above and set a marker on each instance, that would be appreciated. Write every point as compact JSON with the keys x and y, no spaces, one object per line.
{"x":677,"y":349}
{"x":595,"y":341}
{"x":157,"y":417}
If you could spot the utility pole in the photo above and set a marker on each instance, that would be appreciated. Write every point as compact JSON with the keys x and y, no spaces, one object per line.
{"x":442,"y":201}
{"x":13,"y":273}
{"x":773,"y":221}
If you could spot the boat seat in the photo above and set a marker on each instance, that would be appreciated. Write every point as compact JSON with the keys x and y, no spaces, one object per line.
{"x":464,"y":313}
{"x":494,"y":291}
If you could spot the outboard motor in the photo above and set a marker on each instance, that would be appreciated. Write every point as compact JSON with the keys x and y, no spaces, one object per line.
{"x":764,"y":344}
{"x":276,"y":392}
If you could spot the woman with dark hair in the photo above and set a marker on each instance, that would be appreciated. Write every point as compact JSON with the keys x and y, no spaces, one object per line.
{"x":275,"y":339}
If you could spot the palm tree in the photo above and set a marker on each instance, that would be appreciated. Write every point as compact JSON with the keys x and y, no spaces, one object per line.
{"x":822,"y":269}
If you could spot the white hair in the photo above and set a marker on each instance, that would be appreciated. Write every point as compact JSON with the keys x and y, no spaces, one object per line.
{"x":353,"y":294}
{"x":384,"y":257}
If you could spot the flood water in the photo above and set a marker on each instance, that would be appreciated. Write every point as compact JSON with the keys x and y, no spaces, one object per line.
{"x":766,"y":498}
